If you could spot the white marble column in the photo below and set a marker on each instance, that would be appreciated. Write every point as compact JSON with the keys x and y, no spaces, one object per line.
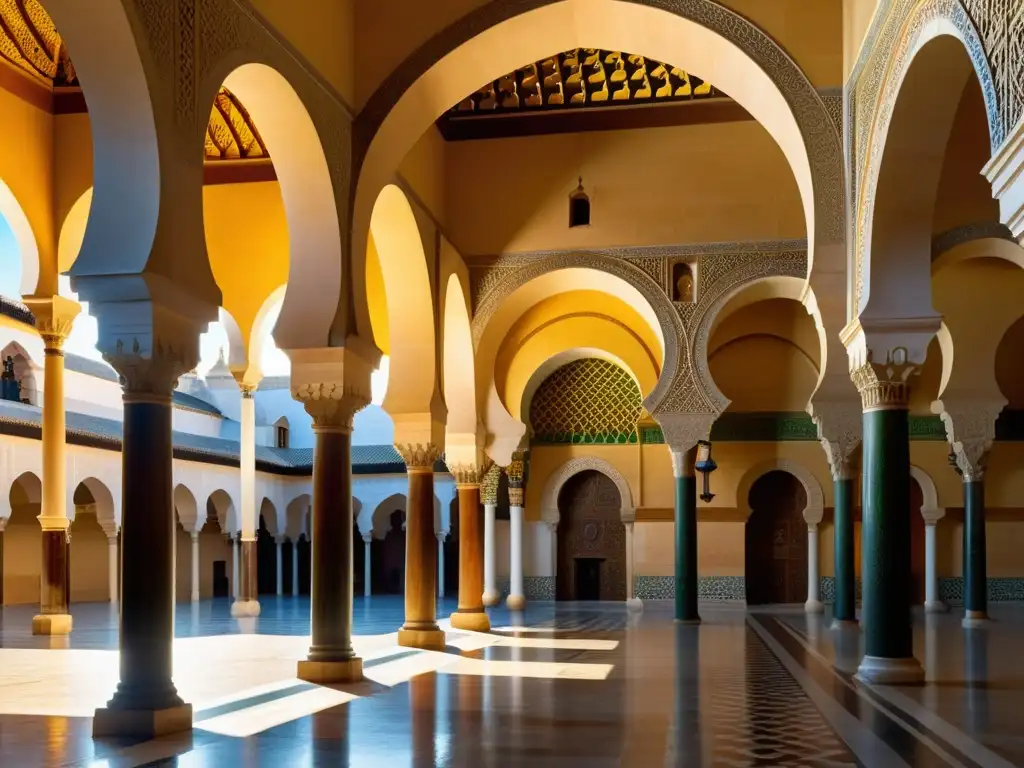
{"x":367,"y":569}
{"x":813,"y":604}
{"x":932,"y":604}
{"x":246,"y":600}
{"x":195,"y":566}
{"x":234,"y":567}
{"x":516,"y":599}
{"x":490,"y":596}
{"x":112,"y":567}
{"x":441,"y":535}
{"x":280,"y":565}
{"x":295,"y":568}
{"x":633,"y":603}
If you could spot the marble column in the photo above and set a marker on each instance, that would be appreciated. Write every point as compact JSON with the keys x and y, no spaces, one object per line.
{"x":633,"y":603}
{"x":441,"y":536}
{"x":975,"y":571}
{"x":470,"y":614}
{"x":686,"y":535}
{"x":516,"y":472}
{"x":420,"y":629}
{"x":932,"y":604}
{"x":112,"y":564}
{"x":54,"y":318}
{"x":234,"y":566}
{"x":845,"y":606}
{"x":146,"y":703}
{"x":246,"y":597}
{"x":885,"y":532}
{"x":295,"y":567}
{"x":367,"y":567}
{"x":195,"y":566}
{"x":489,"y":497}
{"x":279,"y":546}
{"x":813,"y":604}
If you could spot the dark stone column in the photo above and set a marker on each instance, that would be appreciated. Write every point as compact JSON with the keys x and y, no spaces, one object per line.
{"x":845,"y":607}
{"x":686,"y":535}
{"x":975,"y":575}
{"x":331,"y":657}
{"x":146,"y":702}
{"x":885,"y":530}
{"x":470,"y":614}
{"x":420,"y":629}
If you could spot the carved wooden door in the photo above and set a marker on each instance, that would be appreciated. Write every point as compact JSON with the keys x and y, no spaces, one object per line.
{"x":776,"y":538}
{"x":590,"y":529}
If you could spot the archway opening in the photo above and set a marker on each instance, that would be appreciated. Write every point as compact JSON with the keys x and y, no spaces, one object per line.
{"x":591,"y":540}
{"x":387,"y":549}
{"x":22,"y":542}
{"x":776,"y":541}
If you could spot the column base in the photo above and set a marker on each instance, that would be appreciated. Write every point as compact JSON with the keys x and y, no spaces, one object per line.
{"x":877,"y":670}
{"x":52,"y":624}
{"x":472,"y":621}
{"x":634,"y":604}
{"x":491,"y":597}
{"x":936,"y":606}
{"x":141,"y":723}
{"x":425,"y":639}
{"x":845,"y":624}
{"x":241,"y":608}
{"x":515,"y":602}
{"x":331,"y":672}
{"x":975,"y":620}
{"x":814,"y":606}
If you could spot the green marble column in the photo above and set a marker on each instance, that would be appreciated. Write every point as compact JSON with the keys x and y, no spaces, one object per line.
{"x":975,"y":576}
{"x":885,"y":538}
{"x":845,"y":607}
{"x":686,"y":535}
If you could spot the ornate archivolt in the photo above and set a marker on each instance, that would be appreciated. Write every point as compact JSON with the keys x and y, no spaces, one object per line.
{"x":556,"y":481}
{"x":895,"y":38}
{"x":685,"y":386}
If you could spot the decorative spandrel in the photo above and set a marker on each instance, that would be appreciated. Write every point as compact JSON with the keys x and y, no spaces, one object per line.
{"x":585,"y":77}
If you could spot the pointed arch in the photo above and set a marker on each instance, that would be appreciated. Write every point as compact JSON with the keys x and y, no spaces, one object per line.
{"x":815,"y":509}
{"x":459,"y":382}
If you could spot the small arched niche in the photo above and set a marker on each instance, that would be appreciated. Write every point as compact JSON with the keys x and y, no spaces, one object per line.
{"x":684,"y":283}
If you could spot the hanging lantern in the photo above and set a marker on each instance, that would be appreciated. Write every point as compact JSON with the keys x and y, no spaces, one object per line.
{"x":705,"y":465}
{"x":579,"y":207}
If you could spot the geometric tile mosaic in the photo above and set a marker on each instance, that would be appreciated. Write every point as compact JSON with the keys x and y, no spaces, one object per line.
{"x":589,"y":401}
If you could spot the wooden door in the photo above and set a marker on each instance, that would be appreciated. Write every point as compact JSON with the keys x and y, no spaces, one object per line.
{"x":776,"y":541}
{"x":590,"y":528}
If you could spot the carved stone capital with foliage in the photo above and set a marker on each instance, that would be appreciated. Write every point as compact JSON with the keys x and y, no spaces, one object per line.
{"x":970,"y":429}
{"x":331,"y":405}
{"x":55,"y":316}
{"x":683,"y":430}
{"x":516,"y":495}
{"x":840,"y":426}
{"x":469,"y":474}
{"x":516,"y":470}
{"x":885,"y":386}
{"x":489,"y":485}
{"x":418,"y":457}
{"x":153,"y":375}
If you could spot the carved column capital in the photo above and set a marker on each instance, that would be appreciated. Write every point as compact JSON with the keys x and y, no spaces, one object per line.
{"x":332,"y":405}
{"x":151,"y":374}
{"x":840,"y":426}
{"x":55,"y":316}
{"x":970,"y":428}
{"x":469,"y":474}
{"x":489,"y":485}
{"x":248,"y":390}
{"x":885,"y":386}
{"x":419,"y":457}
{"x":516,"y":496}
{"x":683,"y":430}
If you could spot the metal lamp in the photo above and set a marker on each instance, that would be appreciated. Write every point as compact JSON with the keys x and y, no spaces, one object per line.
{"x":705,"y":465}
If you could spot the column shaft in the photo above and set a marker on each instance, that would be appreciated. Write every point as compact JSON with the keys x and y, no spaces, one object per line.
{"x":112,"y":568}
{"x":632,"y":601}
{"x":975,"y":577}
{"x":440,"y":565}
{"x":516,"y":599}
{"x":845,"y":608}
{"x":146,"y":701}
{"x":246,"y":598}
{"x":813,"y":604}
{"x":367,"y":568}
{"x":888,"y":640}
{"x":279,"y":547}
{"x":490,"y":594}
{"x":331,"y":658}
{"x":686,"y":537}
{"x":54,"y":617}
{"x":195,"y":567}
{"x":295,"y":568}
{"x":470,"y":614}
{"x":931,"y":582}
{"x":420,"y":629}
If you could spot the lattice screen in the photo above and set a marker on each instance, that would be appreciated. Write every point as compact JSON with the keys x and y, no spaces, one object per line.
{"x":586,"y":401}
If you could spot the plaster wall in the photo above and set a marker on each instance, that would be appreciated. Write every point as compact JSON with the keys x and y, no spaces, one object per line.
{"x":196,"y":423}
{"x":90,"y":560}
{"x":23,"y":542}
{"x":699,"y":183}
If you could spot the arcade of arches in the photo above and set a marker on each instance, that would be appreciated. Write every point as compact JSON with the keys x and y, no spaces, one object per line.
{"x":497,"y":324}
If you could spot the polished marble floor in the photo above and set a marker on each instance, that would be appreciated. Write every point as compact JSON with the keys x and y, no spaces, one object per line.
{"x":560,"y":685}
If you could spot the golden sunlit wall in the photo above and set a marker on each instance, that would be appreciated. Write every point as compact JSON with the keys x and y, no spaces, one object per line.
{"x":376,"y":297}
